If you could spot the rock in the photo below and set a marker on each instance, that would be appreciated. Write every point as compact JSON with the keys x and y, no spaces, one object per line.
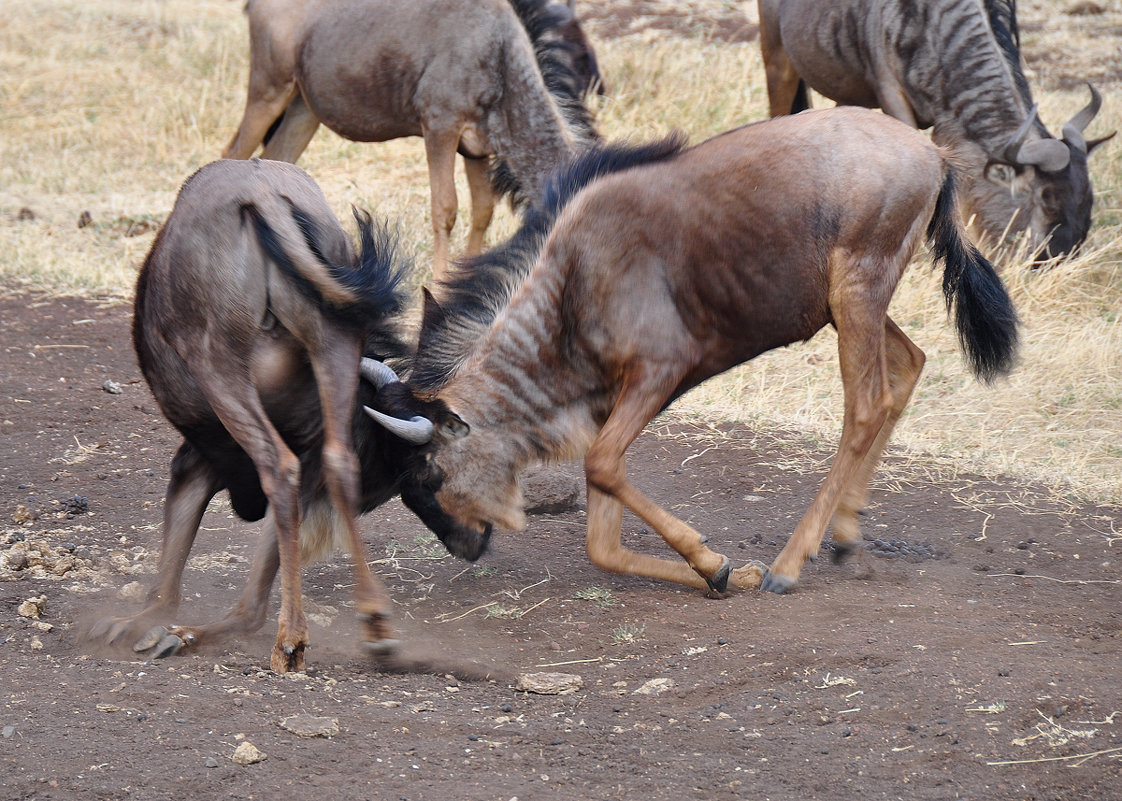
{"x":133,"y":591}
{"x":247,"y":754}
{"x":85,"y":219}
{"x":8,"y":732}
{"x":32,"y":607}
{"x":304,"y":725}
{"x":654,"y":687}
{"x":23,"y":515}
{"x":549,"y":683}
{"x":112,"y":387}
{"x":551,"y":489}
{"x":211,"y":762}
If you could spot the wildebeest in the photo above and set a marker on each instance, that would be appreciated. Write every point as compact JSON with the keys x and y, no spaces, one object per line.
{"x":954,"y":66}
{"x":252,"y":313}
{"x":465,"y":76}
{"x":670,"y":266}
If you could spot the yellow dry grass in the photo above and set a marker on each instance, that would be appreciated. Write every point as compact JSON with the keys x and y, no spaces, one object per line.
{"x":106,"y":106}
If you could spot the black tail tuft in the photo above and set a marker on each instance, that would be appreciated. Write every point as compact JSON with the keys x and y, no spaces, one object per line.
{"x":983,"y":312}
{"x":374,"y":278}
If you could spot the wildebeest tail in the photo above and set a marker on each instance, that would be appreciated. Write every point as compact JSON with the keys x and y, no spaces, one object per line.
{"x":983,"y":311}
{"x":361,"y":291}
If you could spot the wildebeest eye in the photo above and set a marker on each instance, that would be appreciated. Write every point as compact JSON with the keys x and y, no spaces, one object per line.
{"x":429,"y":476}
{"x":1050,"y":201}
{"x":1000,"y":173}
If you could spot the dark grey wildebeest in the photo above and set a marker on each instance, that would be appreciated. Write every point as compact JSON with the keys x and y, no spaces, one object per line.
{"x":252,"y":313}
{"x":463,"y":74}
{"x":646,"y":271}
{"x":954,"y":66}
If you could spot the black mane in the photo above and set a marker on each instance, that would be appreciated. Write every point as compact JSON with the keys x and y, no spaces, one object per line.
{"x":1003,"y":22}
{"x":479,"y":288}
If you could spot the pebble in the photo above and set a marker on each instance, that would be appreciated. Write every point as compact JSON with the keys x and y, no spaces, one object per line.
{"x":654,"y":687}
{"x":8,"y":732}
{"x":211,"y":762}
{"x":32,"y":607}
{"x":310,"y":726}
{"x":549,"y":683}
{"x":247,"y":754}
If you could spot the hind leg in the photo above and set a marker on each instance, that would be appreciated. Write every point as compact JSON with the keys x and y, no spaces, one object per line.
{"x":904,"y":363}
{"x":783,"y":82}
{"x":440,"y":150}
{"x":262,"y":109}
{"x":868,"y":401}
{"x":190,"y":487}
{"x":482,"y":202}
{"x":297,"y":127}
{"x":337,"y":375}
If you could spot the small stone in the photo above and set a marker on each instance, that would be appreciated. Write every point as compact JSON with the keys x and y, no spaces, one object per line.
{"x":549,"y":683}
{"x":32,"y":607}
{"x":211,"y":762}
{"x":85,"y":219}
{"x":247,"y":754}
{"x":112,"y":387}
{"x":22,"y":515}
{"x":310,"y":726}
{"x":8,"y":732}
{"x":133,"y":591}
{"x":654,"y":687}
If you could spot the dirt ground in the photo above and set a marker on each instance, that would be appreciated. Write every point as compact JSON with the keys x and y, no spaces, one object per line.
{"x":979,"y":660}
{"x":976,"y":656}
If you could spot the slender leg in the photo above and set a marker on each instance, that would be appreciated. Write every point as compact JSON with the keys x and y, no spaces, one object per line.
{"x":261,"y":111}
{"x":868,"y":400}
{"x":782,"y":79}
{"x":905,"y":362}
{"x":609,"y":490}
{"x":482,"y":202}
{"x":337,"y":378}
{"x":440,"y":149}
{"x":191,"y":486}
{"x":296,"y":129}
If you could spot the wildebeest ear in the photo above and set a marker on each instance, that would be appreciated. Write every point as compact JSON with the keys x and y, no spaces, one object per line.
{"x":1093,"y":143}
{"x":454,"y":427}
{"x":431,"y":312}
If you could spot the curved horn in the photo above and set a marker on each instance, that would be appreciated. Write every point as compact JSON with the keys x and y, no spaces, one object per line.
{"x":1048,"y":154}
{"x":1073,"y":128}
{"x":377,"y":373}
{"x":417,"y":430}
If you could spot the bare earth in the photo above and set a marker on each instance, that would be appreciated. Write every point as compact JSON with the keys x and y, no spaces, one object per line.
{"x":988,"y":631}
{"x":975,"y":654}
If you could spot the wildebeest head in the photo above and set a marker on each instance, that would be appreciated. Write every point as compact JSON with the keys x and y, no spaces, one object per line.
{"x":458,"y":498}
{"x":1043,"y":185}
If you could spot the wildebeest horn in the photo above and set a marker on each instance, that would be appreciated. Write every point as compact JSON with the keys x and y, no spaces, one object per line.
{"x":417,"y":430}
{"x":1073,"y":128}
{"x":1048,"y":154}
{"x":377,"y":373}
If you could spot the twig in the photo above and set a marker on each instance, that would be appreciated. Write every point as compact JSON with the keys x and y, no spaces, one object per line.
{"x":468,"y":612}
{"x":571,"y":662}
{"x":1050,"y":578}
{"x":532,"y":608}
{"x":1081,"y":757}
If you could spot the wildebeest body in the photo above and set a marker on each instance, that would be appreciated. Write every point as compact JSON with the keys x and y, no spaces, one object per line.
{"x":658,"y":275}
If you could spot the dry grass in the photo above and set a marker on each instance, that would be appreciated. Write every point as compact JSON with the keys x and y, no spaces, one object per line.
{"x":106,"y":106}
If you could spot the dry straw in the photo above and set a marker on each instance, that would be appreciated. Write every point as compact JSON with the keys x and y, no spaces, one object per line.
{"x":107,"y":106}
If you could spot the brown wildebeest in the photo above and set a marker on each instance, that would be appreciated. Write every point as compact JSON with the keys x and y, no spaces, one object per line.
{"x":669,"y":266}
{"x":462,"y":74}
{"x":954,"y":66}
{"x":252,"y":312}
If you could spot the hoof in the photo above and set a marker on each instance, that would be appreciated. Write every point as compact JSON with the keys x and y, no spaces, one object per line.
{"x":99,"y":629}
{"x":151,"y":639}
{"x":773,"y":582}
{"x":842,"y":551}
{"x":167,"y":646}
{"x":719,"y":581}
{"x":748,"y":577}
{"x":287,"y":658}
{"x":382,"y":648}
{"x":116,"y":631}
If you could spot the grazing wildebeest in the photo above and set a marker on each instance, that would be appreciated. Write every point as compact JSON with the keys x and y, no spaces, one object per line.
{"x":954,"y":66}
{"x":670,"y":266}
{"x":464,"y":75}
{"x":252,"y":312}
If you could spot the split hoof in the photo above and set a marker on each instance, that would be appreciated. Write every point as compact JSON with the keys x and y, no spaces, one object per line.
{"x":159,"y":643}
{"x":150,"y":639}
{"x":382,"y":648}
{"x":287,"y":658}
{"x":842,"y":551}
{"x":773,"y":582}
{"x":748,"y":577}
{"x":167,"y":646}
{"x":719,"y":581}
